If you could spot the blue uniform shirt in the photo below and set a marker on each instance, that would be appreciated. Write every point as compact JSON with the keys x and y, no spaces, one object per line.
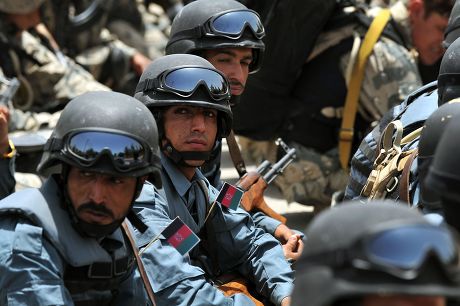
{"x":33,"y":256}
{"x":241,"y":246}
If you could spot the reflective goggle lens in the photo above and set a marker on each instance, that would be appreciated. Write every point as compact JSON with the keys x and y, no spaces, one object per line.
{"x":186,"y":80}
{"x":125,"y":151}
{"x":234,"y":23}
{"x":407,"y":247}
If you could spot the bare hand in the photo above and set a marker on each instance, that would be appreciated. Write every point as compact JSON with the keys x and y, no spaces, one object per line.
{"x":293,"y":247}
{"x":286,"y":301}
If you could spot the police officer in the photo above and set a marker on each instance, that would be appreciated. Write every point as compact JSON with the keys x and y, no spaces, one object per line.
{"x":189,"y":98}
{"x":378,"y":254}
{"x":48,"y":78}
{"x":416,"y":108}
{"x":62,"y":244}
{"x":229,"y":36}
{"x":443,"y":175}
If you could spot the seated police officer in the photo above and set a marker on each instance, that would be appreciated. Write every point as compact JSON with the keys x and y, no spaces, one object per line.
{"x":375,"y":255}
{"x":62,"y":244}
{"x":230,"y":38}
{"x":189,"y":99}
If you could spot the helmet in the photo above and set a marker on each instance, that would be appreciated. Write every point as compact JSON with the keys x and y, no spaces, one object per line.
{"x":106,"y":132}
{"x":198,"y":91}
{"x":429,"y":139}
{"x":350,"y":252}
{"x":19,"y":6}
{"x":449,"y":74}
{"x":444,"y":174}
{"x":205,"y":24}
{"x":452,"y":31}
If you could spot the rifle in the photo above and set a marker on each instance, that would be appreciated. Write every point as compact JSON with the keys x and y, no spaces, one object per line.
{"x":254,"y":183}
{"x":6,"y":96}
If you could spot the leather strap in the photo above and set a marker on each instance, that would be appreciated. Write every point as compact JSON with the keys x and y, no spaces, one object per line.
{"x":140,"y":265}
{"x":404,"y":182}
{"x":351,"y":102}
{"x":235,"y":154}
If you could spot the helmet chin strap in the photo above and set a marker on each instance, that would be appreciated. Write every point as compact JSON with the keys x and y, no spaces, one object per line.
{"x":180,"y":157}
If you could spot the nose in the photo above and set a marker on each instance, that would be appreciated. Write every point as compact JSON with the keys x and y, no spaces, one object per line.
{"x":198,"y":122}
{"x":98,"y":191}
{"x":238,"y":73}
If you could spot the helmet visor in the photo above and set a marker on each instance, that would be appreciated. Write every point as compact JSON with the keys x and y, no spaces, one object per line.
{"x":406,"y":248}
{"x":233,"y":24}
{"x":400,"y":251}
{"x":125,"y":152}
{"x":184,"y":82}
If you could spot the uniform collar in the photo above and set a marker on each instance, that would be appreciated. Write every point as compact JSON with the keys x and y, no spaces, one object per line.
{"x":180,"y":182}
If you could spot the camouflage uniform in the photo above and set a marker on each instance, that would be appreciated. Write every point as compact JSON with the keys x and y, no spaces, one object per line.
{"x":390,"y":74}
{"x":47,"y":80}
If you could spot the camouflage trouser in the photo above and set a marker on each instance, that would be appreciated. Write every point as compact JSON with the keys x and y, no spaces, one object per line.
{"x":310,"y":179}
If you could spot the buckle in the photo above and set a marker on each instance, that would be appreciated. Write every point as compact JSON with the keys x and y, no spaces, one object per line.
{"x":346,"y":134}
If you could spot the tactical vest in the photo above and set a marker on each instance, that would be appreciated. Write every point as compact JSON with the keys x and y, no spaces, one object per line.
{"x":403,"y":179}
{"x":413,"y":112}
{"x":92,"y":274}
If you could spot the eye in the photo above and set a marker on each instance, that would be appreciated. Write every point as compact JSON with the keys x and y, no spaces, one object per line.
{"x":86,"y":174}
{"x":246,"y":62}
{"x":116,"y":180}
{"x":210,"y":113}
{"x":181,"y":111}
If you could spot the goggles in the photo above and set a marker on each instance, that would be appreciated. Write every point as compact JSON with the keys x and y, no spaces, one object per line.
{"x":184,"y":82}
{"x":87,"y":147}
{"x":400,"y":251}
{"x":232,"y":24}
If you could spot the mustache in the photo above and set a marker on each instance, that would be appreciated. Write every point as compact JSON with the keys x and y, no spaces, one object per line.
{"x":96,"y":208}
{"x":236,"y":83}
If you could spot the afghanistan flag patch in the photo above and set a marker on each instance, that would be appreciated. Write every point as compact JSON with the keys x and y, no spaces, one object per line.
{"x":180,"y":236}
{"x":230,"y":196}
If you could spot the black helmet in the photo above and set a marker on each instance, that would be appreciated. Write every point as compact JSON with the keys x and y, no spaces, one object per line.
{"x":429,"y":139}
{"x":449,"y":74}
{"x":352,"y":249}
{"x":452,"y":31}
{"x":97,"y":130}
{"x":204,"y":24}
{"x":202,"y":86}
{"x":444,"y":173}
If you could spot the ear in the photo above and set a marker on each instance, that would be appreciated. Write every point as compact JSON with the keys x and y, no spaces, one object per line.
{"x":416,"y":9}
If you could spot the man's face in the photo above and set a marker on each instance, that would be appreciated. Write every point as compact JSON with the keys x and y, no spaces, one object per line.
{"x":427,"y":33}
{"x":190,"y":128}
{"x":234,"y":64}
{"x":98,"y":198}
{"x":27,"y":21}
{"x":403,"y":300}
